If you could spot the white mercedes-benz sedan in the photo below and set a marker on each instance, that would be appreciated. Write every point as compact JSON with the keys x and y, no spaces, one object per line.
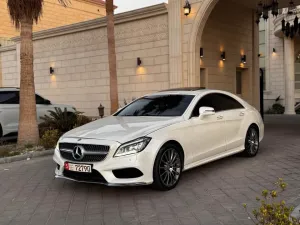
{"x":157,"y":137}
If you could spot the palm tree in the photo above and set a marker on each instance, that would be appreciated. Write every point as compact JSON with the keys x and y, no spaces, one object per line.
{"x":23,"y":14}
{"x":114,"y":100}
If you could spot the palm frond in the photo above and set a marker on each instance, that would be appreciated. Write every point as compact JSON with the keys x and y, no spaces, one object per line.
{"x":29,"y":10}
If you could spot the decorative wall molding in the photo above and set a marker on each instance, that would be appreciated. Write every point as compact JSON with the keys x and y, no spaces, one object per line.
{"x":133,"y":15}
{"x":136,"y":32}
{"x":8,"y":48}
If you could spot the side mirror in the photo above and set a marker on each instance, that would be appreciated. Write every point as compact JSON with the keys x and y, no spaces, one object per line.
{"x":206,"y":111}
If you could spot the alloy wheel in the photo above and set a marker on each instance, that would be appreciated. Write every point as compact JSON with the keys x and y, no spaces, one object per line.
{"x":252,"y":143}
{"x":170,"y":167}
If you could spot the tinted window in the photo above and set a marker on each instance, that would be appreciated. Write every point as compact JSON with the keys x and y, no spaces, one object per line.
{"x":229,"y":103}
{"x":162,"y":105}
{"x":219,"y":102}
{"x":39,"y":100}
{"x":9,"y":97}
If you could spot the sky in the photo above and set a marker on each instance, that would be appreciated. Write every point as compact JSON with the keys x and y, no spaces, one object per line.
{"x":127,"y":5}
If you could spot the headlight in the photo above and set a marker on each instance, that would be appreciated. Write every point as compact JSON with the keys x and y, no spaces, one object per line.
{"x":57,"y":145}
{"x":133,"y":147}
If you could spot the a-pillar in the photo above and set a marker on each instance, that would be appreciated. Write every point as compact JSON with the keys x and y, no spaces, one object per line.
{"x":289,"y":72}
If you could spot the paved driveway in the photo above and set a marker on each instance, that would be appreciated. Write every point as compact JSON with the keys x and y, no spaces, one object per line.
{"x":209,"y":195}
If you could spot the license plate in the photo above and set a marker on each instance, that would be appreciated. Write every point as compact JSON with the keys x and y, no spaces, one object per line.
{"x":78,"y":167}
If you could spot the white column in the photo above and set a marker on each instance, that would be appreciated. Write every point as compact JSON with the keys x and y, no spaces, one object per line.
{"x":289,"y":70}
{"x":255,"y":64}
{"x":175,"y":8}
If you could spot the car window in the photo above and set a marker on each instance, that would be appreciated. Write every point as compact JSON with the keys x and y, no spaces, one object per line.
{"x":158,"y":105}
{"x":206,"y":101}
{"x":219,"y":102}
{"x":39,"y":100}
{"x":9,"y":97}
{"x":229,"y":103}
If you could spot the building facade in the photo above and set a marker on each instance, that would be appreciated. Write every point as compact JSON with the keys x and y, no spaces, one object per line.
{"x":54,"y":15}
{"x":280,"y":61}
{"x":205,"y":48}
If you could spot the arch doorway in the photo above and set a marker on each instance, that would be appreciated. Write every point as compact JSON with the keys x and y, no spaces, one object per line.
{"x":227,"y":27}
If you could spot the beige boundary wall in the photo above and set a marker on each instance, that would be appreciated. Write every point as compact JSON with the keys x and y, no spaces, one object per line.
{"x":78,"y":54}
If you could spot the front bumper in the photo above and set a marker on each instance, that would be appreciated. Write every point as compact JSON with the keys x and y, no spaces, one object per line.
{"x":104,"y":183}
{"x":103,"y":170}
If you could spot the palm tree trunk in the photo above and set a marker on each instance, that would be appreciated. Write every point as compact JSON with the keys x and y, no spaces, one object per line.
{"x":114,"y":100}
{"x":28,"y":128}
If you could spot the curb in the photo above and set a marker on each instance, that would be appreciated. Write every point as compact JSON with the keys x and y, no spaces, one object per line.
{"x":26,"y":156}
{"x":296,"y":213}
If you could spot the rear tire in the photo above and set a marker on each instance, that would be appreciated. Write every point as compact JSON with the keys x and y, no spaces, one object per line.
{"x":167,"y":168}
{"x":251,"y":142}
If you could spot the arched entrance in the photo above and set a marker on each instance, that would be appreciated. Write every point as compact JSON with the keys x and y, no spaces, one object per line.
{"x":233,"y":31}
{"x":197,"y":29}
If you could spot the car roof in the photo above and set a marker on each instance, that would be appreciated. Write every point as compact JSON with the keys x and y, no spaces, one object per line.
{"x":9,"y":89}
{"x":182,"y":91}
{"x":185,"y":89}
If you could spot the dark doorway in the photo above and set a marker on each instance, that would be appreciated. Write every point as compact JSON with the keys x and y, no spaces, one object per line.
{"x":261,"y":90}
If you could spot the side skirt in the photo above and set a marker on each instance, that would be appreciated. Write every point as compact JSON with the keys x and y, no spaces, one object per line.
{"x":214,"y":158}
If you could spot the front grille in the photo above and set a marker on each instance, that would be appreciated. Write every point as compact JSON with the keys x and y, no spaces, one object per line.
{"x":95,"y":176}
{"x":90,"y":148}
{"x":92,"y":153}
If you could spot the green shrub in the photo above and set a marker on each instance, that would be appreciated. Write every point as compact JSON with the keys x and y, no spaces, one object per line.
{"x":62,"y":120}
{"x":82,"y":120}
{"x":50,"y":139}
{"x":271,"y":212}
{"x":278,"y":108}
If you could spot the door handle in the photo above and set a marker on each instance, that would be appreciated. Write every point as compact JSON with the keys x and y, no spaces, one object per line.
{"x":242,"y":114}
{"x":220,"y":117}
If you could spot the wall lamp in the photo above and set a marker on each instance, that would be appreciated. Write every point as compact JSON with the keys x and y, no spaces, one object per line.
{"x":187,"y":8}
{"x":139,"y":61}
{"x":223,"y":56}
{"x":201,"y":53}
{"x":274,"y":50}
{"x":244,"y":59}
{"x":51,"y":70}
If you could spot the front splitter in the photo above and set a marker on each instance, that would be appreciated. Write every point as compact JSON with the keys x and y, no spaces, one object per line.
{"x":106,"y":184}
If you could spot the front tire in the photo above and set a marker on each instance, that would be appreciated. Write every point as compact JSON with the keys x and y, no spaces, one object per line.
{"x":167,"y":168}
{"x":251,"y":142}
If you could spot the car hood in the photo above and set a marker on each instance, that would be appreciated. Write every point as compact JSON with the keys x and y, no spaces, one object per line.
{"x":121,"y":129}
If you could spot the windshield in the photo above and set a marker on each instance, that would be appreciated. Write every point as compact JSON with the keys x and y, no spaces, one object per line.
{"x":158,"y":105}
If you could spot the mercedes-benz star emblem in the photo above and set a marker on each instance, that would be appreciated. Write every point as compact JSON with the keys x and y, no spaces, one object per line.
{"x":78,"y":152}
